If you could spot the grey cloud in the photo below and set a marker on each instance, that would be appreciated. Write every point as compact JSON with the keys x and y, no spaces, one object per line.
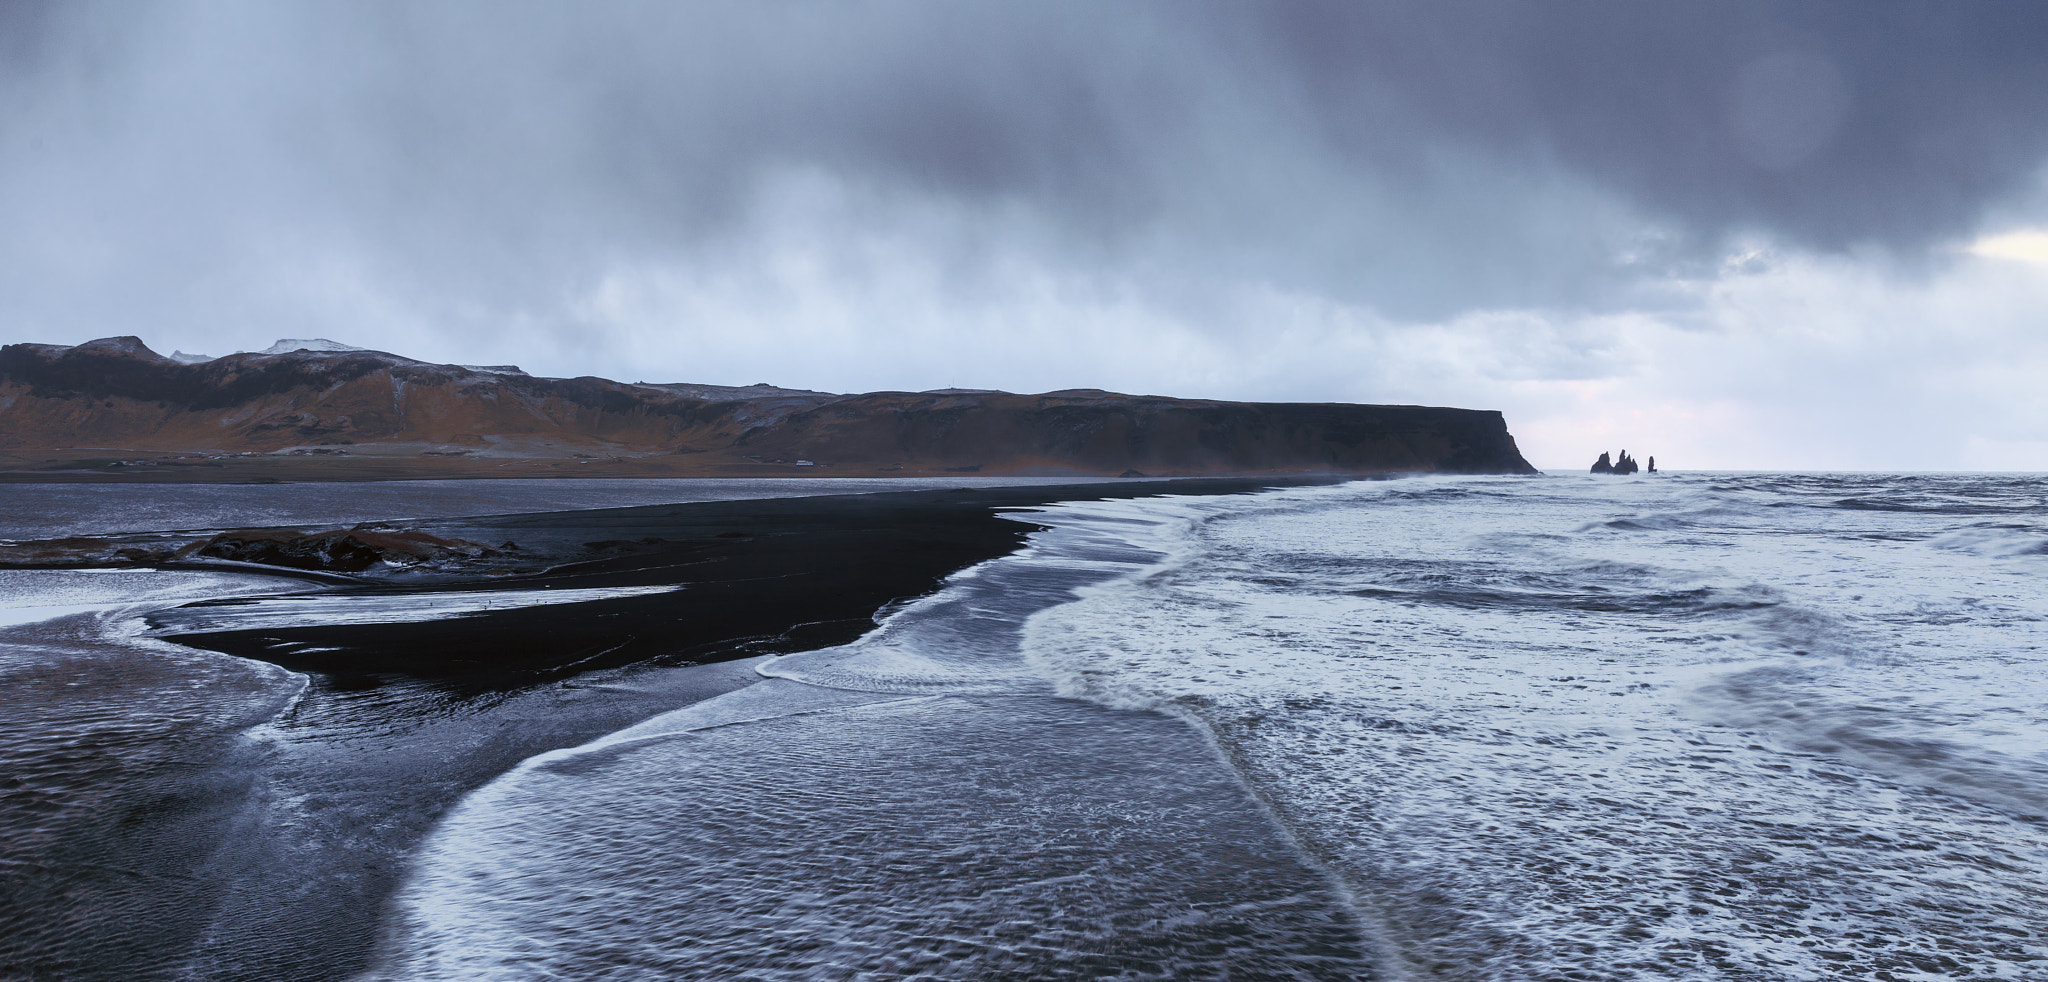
{"x":1784,"y":108}
{"x":1830,"y":122}
{"x":1421,"y":159}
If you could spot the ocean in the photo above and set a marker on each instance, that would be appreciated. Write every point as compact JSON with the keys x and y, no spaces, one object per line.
{"x":1683,"y":726}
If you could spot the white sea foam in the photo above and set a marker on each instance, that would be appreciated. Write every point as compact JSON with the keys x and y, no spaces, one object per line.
{"x":1597,"y":729}
{"x":916,"y":804}
{"x":864,"y":835}
{"x":965,"y":638}
{"x":30,"y":595}
{"x":1745,"y":727}
{"x":260,"y":613}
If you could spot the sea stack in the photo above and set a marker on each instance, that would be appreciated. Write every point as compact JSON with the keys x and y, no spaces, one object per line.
{"x":1624,"y":464}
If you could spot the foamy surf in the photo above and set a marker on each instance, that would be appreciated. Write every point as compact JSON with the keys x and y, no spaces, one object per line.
{"x":1758,"y":727}
{"x":917,"y":804}
{"x":1642,"y":730}
{"x":270,"y":613}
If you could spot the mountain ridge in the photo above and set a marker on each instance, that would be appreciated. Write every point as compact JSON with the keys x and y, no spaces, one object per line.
{"x":333,"y":400}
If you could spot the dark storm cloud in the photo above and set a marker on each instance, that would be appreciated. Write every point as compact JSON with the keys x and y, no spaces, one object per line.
{"x":1419,"y":158}
{"x":1829,"y":122}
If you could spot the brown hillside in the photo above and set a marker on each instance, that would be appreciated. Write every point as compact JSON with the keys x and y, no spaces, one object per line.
{"x":114,"y":403}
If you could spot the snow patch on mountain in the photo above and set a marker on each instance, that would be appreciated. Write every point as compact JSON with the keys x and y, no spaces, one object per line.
{"x":286,"y":346}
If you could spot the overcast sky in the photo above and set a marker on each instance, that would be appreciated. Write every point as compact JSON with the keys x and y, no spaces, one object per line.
{"x":1771,"y":235}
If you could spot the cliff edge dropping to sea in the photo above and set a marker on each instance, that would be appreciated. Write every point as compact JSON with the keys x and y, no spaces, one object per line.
{"x":326,"y":411}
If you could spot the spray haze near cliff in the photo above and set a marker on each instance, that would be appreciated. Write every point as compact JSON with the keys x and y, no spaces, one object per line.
{"x":1733,"y":234}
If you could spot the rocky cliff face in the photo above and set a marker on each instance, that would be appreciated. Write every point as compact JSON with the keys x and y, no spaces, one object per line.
{"x":1108,"y":433}
{"x":116,"y":396}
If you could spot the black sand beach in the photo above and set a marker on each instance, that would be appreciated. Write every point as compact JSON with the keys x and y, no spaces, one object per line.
{"x":753,"y":577}
{"x":273,"y":856}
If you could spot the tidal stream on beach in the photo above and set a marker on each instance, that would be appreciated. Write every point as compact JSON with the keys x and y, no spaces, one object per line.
{"x":1695,"y":726}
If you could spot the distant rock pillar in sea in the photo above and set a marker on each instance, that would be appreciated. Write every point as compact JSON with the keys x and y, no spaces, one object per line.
{"x":1652,"y":469}
{"x":1624,"y":464}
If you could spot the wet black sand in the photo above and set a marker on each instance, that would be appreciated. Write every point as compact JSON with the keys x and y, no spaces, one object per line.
{"x":758,"y":577}
{"x":302,"y":834}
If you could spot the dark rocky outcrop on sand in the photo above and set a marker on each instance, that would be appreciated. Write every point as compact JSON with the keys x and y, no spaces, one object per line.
{"x":348,"y":550}
{"x":114,"y":404}
{"x":341,"y":550}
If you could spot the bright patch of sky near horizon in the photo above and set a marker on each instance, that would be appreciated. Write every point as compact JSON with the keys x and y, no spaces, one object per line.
{"x":1734,"y":235}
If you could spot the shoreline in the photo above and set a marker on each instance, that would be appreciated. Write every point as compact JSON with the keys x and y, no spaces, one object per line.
{"x":401,"y":720}
{"x":928,"y":782}
{"x":750,"y":576}
{"x":366,"y":464}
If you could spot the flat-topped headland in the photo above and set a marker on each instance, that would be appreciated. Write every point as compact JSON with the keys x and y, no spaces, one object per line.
{"x":114,"y":409}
